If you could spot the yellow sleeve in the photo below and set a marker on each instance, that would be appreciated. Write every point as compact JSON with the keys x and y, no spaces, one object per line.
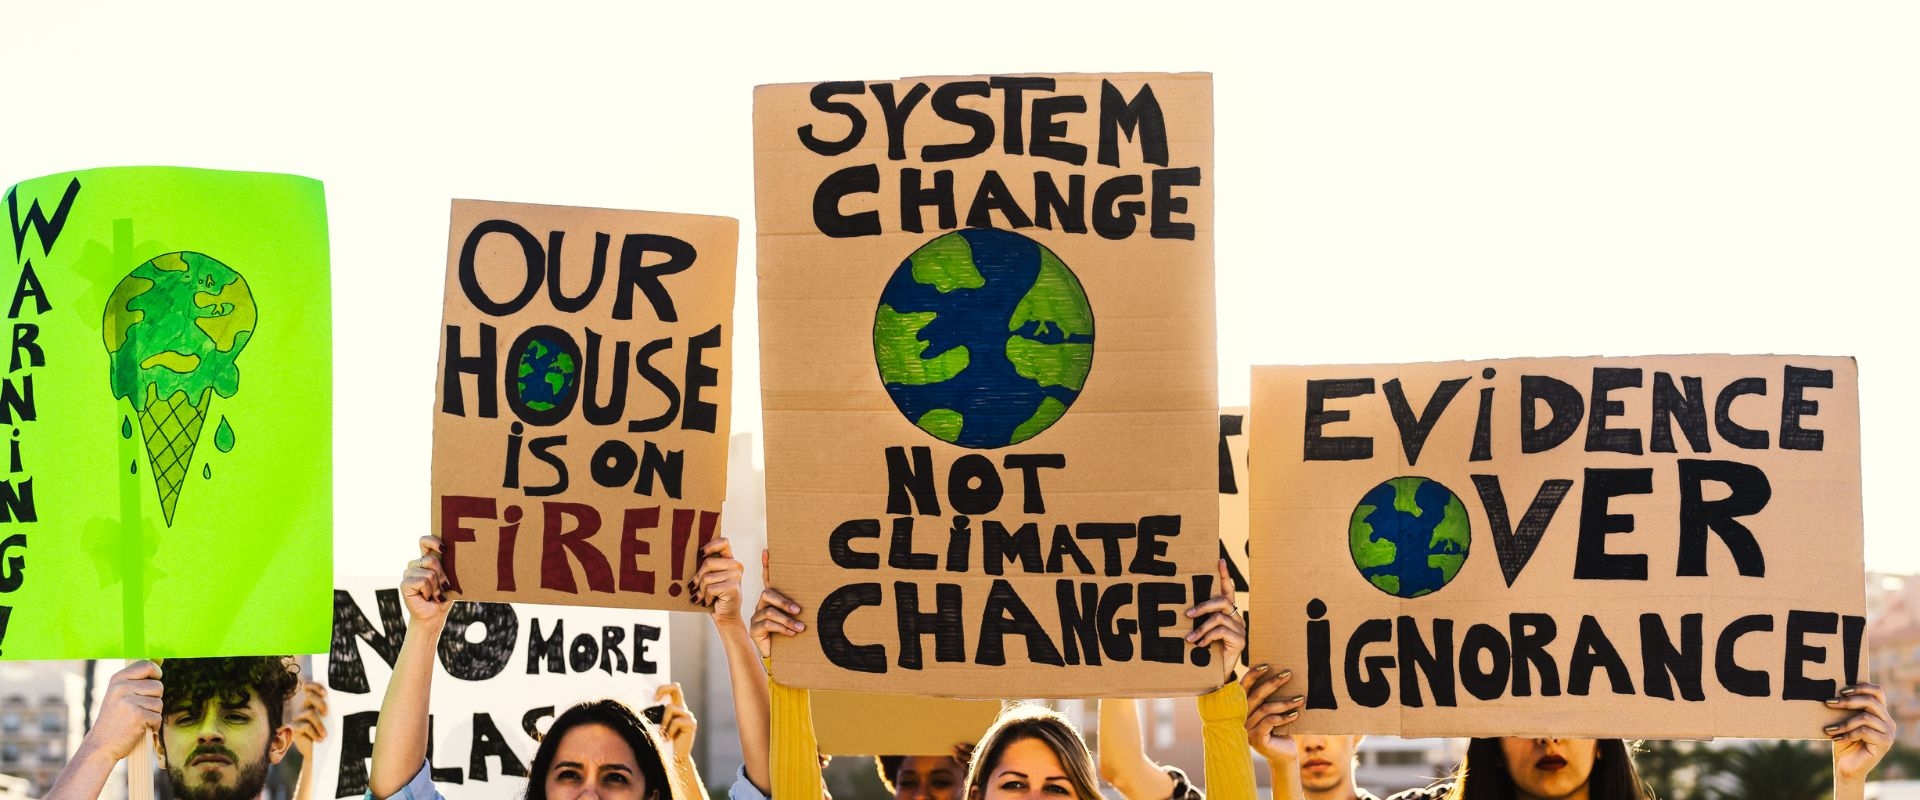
{"x":796,"y":759}
{"x":1229,"y":760}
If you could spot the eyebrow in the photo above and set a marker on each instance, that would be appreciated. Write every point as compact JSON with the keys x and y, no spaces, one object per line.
{"x":577,"y":765}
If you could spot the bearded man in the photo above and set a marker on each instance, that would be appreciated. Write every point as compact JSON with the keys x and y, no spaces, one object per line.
{"x":220,"y":724}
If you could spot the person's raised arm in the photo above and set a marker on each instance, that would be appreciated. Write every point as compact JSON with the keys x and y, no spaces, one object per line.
{"x":1268,"y":714}
{"x":309,"y":709}
{"x":400,"y":743}
{"x":1859,"y":741}
{"x":718,"y":587}
{"x":1222,"y":711}
{"x":794,"y":763}
{"x":677,"y":723}
{"x":129,"y":714}
{"x":1124,"y":762}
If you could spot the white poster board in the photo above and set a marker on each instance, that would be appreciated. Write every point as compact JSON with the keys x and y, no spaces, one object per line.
{"x":503,"y":672}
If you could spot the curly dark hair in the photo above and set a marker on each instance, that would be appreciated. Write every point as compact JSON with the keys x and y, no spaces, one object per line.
{"x":889,"y":769}
{"x":191,"y":682}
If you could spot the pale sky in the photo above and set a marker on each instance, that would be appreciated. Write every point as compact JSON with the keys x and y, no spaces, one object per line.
{"x":1394,"y":181}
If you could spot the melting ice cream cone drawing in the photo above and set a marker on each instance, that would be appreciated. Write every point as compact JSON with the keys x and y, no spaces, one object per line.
{"x":174,"y":327}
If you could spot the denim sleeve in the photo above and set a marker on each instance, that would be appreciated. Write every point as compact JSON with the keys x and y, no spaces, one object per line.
{"x":744,"y":789}
{"x":420,"y":788}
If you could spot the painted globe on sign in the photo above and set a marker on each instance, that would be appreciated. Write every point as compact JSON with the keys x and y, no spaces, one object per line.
{"x":983,"y":338}
{"x":1409,"y":536}
{"x":546,"y":376}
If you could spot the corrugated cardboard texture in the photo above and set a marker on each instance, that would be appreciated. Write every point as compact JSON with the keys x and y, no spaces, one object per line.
{"x":650,"y":395}
{"x":1139,"y":441}
{"x":1234,"y":511}
{"x":862,"y":724}
{"x":1613,"y":557}
{"x":1234,"y":492}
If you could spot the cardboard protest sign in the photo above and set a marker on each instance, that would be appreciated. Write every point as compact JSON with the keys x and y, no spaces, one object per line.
{"x":580,"y":425}
{"x":969,"y":490}
{"x":1235,"y":513}
{"x":504,"y":672}
{"x":1659,"y":547}
{"x":166,"y":413}
{"x":863,"y":724}
{"x":1235,"y":519}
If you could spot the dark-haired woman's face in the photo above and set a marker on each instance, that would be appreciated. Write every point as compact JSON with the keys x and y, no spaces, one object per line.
{"x":1028,"y":770}
{"x":593,"y":761}
{"x":928,"y":778}
{"x":1549,"y":769}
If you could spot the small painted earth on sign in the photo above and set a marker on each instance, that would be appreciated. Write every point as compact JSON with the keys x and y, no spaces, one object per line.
{"x":547,"y":375}
{"x":1409,"y":536}
{"x":983,"y":338}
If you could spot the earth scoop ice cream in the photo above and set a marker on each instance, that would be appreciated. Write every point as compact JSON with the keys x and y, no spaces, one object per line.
{"x":174,"y":327}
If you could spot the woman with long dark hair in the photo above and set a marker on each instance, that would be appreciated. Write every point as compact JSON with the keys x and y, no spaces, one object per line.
{"x":599,"y":748}
{"x":602,"y":745}
{"x":1514,"y":768}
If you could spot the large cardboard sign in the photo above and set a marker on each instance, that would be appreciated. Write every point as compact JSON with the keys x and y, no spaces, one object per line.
{"x":1662,"y":547}
{"x":504,"y":672}
{"x":988,"y":379}
{"x":165,"y":420}
{"x":863,"y":724}
{"x":580,"y":424}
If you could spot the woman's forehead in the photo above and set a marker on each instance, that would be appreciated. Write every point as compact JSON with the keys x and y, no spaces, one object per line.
{"x":1030,"y":755}
{"x":594,"y":743}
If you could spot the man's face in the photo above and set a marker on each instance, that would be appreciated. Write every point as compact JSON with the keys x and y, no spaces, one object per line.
{"x":1325,"y":762}
{"x":221,"y":749}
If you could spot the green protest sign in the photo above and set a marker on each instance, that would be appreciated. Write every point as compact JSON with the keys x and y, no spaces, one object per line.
{"x":166,"y":472}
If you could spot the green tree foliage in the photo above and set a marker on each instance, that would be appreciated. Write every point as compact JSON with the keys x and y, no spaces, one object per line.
{"x":1773,"y":770}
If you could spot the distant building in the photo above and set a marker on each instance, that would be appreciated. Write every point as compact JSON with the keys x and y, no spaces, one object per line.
{"x":1893,"y":640}
{"x":40,"y":722}
{"x":1390,"y":764}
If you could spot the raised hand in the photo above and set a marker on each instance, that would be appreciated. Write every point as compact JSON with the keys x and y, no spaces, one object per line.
{"x":130,"y":711}
{"x":423,"y":586}
{"x":1218,"y":621}
{"x":676,"y":721}
{"x":775,"y":615}
{"x":1269,"y":714}
{"x":717,"y":583}
{"x":1860,"y":741}
{"x":308,"y":712}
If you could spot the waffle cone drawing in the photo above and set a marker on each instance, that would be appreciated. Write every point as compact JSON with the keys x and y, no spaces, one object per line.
{"x":173,"y":329}
{"x":171,"y":428}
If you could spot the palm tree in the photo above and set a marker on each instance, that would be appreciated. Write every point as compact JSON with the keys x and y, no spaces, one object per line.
{"x":1661,"y":765}
{"x":1775,"y":770}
